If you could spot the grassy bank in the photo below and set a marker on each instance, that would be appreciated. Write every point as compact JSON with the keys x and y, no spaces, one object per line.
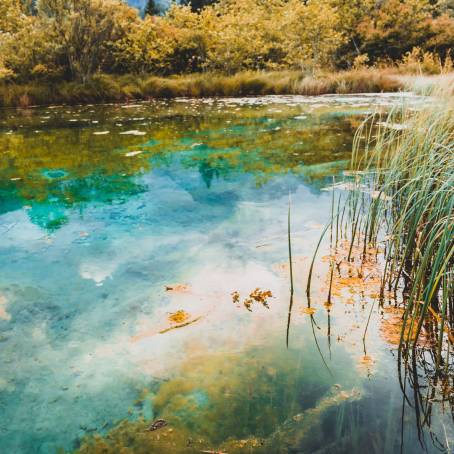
{"x":106,"y":88}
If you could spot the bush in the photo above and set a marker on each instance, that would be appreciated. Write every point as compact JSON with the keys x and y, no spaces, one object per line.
{"x":418,"y":61}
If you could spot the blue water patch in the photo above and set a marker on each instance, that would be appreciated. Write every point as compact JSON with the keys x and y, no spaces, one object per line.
{"x":54,"y":174}
{"x":200,"y":397}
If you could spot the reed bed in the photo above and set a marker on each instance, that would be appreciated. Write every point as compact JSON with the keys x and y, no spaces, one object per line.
{"x":403,"y":201}
{"x":400,"y":203}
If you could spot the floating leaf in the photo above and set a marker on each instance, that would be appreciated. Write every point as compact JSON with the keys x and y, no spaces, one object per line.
{"x":133,"y":153}
{"x":177,"y":288}
{"x":309,"y":310}
{"x":133,"y":133}
{"x":178,"y":317}
{"x":235,"y":297}
{"x":257,"y":296}
{"x":261,"y":296}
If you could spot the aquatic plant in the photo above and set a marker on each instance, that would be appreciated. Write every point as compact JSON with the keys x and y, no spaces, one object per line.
{"x":408,"y":176}
{"x":113,"y":144}
{"x":290,"y":262}
{"x":401,"y":206}
{"x":235,"y":403}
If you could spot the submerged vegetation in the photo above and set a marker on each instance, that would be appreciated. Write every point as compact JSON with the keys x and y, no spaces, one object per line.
{"x":105,"y":144}
{"x":73,"y":51}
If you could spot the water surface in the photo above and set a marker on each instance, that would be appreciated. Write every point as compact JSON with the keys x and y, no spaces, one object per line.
{"x":115,"y":217}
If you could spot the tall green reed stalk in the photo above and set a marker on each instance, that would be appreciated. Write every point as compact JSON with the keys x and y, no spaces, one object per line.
{"x":400,"y":201}
{"x":406,"y":173}
{"x":290,"y":261}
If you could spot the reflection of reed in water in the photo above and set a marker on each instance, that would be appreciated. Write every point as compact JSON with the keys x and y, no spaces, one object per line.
{"x":400,"y":207}
{"x":289,"y":230}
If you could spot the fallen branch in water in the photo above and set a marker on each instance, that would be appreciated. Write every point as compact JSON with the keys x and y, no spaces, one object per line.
{"x":182,"y":325}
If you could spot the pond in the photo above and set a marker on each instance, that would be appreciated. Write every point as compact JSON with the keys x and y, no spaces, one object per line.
{"x":144,"y":276}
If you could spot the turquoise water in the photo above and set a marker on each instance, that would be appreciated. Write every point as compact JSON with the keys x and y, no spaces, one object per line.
{"x":112,"y":218}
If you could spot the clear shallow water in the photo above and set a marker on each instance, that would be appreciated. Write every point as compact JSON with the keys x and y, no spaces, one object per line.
{"x":114,"y":217}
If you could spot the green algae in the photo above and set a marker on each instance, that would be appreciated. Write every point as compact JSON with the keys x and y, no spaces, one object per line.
{"x":67,"y":157}
{"x":254,"y":399}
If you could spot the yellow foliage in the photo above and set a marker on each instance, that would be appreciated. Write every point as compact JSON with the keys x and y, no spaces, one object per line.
{"x":312,"y":35}
{"x":257,"y":295}
{"x":425,"y":62}
{"x":75,"y":39}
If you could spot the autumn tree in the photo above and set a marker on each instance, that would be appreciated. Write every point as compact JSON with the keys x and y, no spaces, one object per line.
{"x":312,"y":33}
{"x":394,"y":27}
{"x":350,"y":14}
{"x":441,"y":35}
{"x":84,"y":30}
{"x":239,"y":40}
{"x":174,"y":43}
{"x":11,"y":16}
{"x":17,"y":46}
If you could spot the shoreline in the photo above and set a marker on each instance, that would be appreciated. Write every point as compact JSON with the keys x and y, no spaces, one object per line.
{"x":103,"y":88}
{"x":108,"y":89}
